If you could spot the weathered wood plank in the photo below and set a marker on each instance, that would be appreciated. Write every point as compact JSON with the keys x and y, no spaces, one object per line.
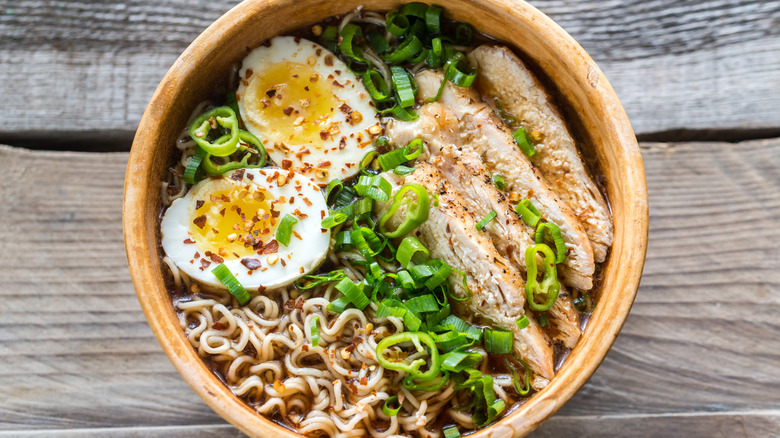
{"x":698,"y":355}
{"x":89,"y":66}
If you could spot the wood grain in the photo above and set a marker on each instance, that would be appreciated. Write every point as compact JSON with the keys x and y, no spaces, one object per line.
{"x":697,"y":65}
{"x":698,"y":355}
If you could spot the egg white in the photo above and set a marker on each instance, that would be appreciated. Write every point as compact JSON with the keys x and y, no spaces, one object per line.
{"x":304,"y":253}
{"x":329,"y":130}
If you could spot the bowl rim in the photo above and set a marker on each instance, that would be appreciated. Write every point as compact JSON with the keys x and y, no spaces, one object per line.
{"x":543,"y":405}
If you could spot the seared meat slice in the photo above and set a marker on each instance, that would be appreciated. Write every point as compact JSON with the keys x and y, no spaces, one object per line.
{"x":504,"y":77}
{"x":480,"y":132}
{"x":565,"y":320}
{"x":496,"y":286}
{"x":467,"y":174}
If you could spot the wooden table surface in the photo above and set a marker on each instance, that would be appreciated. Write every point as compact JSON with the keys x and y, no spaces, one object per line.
{"x":699,"y":355}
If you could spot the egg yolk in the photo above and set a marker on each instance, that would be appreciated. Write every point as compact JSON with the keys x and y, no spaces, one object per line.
{"x":234,"y":222}
{"x":291,"y":102}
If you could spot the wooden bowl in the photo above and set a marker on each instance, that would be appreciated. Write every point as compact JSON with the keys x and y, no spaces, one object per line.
{"x":574,"y":75}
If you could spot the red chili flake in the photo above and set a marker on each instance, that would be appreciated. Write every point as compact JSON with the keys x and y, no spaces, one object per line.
{"x":250,"y":263}
{"x":342,"y":143}
{"x":338,"y":72}
{"x":286,"y":164}
{"x":283,"y":262}
{"x":238,"y":175}
{"x":261,"y":288}
{"x":346,"y":109}
{"x":322,"y":214}
{"x":188,"y":241}
{"x":324,"y":135}
{"x":222,"y":212}
{"x":199,"y":203}
{"x":364,"y":380}
{"x":307,"y":202}
{"x":271,"y":247}
{"x":225,"y":198}
{"x":325,"y":163}
{"x":313,"y":78}
{"x":299,"y":214}
{"x":329,"y":60}
{"x":216,"y":258}
{"x":218,"y":325}
{"x":299,"y":304}
{"x":295,"y":233}
{"x":204,"y":264}
{"x":287,"y":111}
{"x":200,"y":221}
{"x":250,"y":176}
{"x":197,"y":255}
{"x":292,"y":200}
{"x":298,"y":188}
{"x":289,"y":304}
{"x":336,"y":83}
{"x":248,"y":73}
{"x":304,"y":348}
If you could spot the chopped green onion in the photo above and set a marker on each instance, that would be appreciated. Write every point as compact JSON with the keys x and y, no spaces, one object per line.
{"x":374,"y":187}
{"x":415,"y":214}
{"x":191,"y":170}
{"x":528,"y":213}
{"x":353,"y":293}
{"x":499,"y":182}
{"x":334,"y":219}
{"x":411,"y":250}
{"x":367,"y":242}
{"x":525,"y":143}
{"x":555,"y":233}
{"x":339,"y":305}
{"x":387,"y":410}
{"x":549,"y":287}
{"x":498,"y":341}
{"x":485,"y":220}
{"x":403,"y":170}
{"x":453,"y":322}
{"x":248,"y":144}
{"x":377,"y":41}
{"x":508,"y":119}
{"x":284,"y":231}
{"x":344,"y":197}
{"x":348,"y":36}
{"x":400,"y":113}
{"x":435,"y":199}
{"x":362,"y":206}
{"x":394,"y":158}
{"x":422,"y":304}
{"x":451,"y":432}
{"x":402,"y":82}
{"x":466,"y":31}
{"x":407,"y":49}
{"x":523,"y":322}
{"x":331,"y":33}
{"x":457,"y":361}
{"x":225,"y":277}
{"x":396,"y":23}
{"x":415,"y":9}
{"x":410,"y":384}
{"x":465,"y":286}
{"x":433,"y":19}
{"x":314,"y":325}
{"x":526,"y":388}
{"x":376,"y":86}
{"x":344,"y":241}
{"x":311,"y":281}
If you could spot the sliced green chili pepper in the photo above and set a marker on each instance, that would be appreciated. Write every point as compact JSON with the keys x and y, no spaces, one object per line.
{"x":418,"y":339}
{"x":550,"y":286}
{"x":416,"y":213}
{"x":221,"y":117}
{"x":246,"y":142}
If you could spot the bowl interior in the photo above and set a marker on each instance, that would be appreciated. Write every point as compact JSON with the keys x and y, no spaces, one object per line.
{"x":576,"y":79}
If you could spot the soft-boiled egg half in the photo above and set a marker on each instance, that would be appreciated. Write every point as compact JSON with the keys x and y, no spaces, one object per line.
{"x":233,"y":220}
{"x":316,"y":116}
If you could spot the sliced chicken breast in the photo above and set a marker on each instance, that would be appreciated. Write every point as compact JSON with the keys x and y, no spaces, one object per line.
{"x":496,"y":286}
{"x":504,"y":77}
{"x":472,"y":127}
